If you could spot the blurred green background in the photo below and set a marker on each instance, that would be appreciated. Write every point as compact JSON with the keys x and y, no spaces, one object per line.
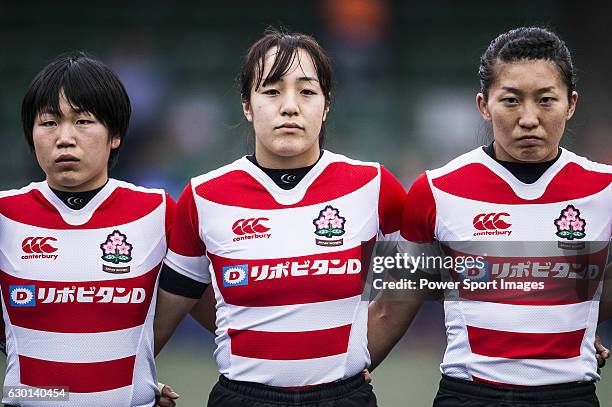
{"x":405,"y":96}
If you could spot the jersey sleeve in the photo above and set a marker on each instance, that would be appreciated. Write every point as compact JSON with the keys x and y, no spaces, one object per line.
{"x":390,"y":203}
{"x":186,"y":270}
{"x":419,"y":213}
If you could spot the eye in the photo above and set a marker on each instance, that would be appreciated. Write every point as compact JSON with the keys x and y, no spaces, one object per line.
{"x":271,"y":92}
{"x":510,"y":101}
{"x":547,"y":100}
{"x":308,"y":92}
{"x":48,"y":123}
{"x":84,"y":121}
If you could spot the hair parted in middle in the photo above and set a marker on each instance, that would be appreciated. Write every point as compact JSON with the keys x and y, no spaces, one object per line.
{"x":287,"y":44}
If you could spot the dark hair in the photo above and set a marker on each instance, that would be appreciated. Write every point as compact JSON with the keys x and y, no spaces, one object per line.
{"x":251,"y":75}
{"x":88,"y":85}
{"x":526,"y":43}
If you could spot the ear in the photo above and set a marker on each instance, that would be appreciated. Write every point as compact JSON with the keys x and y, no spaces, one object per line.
{"x":246,"y":110}
{"x":571,"y":108}
{"x":326,"y":111}
{"x":115,"y":142}
{"x":482,"y":107}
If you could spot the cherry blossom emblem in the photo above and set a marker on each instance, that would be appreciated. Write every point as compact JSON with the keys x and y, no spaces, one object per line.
{"x":569,"y":225}
{"x":329,"y":223}
{"x":116,"y":249}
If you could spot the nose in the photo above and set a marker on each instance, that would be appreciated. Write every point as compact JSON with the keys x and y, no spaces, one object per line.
{"x":65,"y":136}
{"x":529,"y":116}
{"x":289,"y":105}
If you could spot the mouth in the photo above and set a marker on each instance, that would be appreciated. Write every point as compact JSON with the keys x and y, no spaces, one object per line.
{"x":529,"y":141}
{"x":529,"y":137}
{"x":65,"y":160}
{"x":289,"y":126}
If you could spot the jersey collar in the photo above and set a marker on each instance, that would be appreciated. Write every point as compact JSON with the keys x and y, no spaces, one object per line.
{"x":77,"y":217}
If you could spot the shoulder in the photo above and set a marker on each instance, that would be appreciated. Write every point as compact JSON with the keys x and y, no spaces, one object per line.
{"x":473,"y":162}
{"x":136,"y":190}
{"x":133,"y":195}
{"x":21,"y":199}
{"x":349,"y":170}
{"x":225,"y":174}
{"x":584,"y":164}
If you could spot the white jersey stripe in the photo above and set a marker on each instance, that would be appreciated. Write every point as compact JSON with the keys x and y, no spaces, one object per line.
{"x":293,"y":318}
{"x":73,"y":347}
{"x":526,"y":318}
{"x":287,"y":373}
{"x":532,"y":371}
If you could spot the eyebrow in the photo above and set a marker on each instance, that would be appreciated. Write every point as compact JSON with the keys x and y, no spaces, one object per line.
{"x":308,"y":79}
{"x":300,"y":79}
{"x":518,"y":91}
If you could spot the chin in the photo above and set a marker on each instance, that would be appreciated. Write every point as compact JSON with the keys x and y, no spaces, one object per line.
{"x":289,"y":149}
{"x":67,"y":182}
{"x":533,"y":155}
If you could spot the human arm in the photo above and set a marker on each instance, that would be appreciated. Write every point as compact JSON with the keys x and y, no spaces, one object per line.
{"x":204,"y":310}
{"x":388,"y":320}
{"x":605,"y":303}
{"x":392,"y":311}
{"x":185,"y":274}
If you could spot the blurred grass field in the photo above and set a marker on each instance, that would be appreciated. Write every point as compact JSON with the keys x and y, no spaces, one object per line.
{"x":405,"y":379}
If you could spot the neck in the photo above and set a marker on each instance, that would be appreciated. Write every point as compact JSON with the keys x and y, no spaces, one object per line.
{"x":84,"y":187}
{"x":275,"y":161}
{"x":502,"y":155}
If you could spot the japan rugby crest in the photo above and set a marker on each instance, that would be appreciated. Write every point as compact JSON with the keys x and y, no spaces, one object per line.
{"x":116,"y":249}
{"x":329,"y":224}
{"x":569,"y":225}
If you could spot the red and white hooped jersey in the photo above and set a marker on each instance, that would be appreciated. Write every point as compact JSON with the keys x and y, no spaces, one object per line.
{"x":78,"y":292}
{"x":285,"y":265}
{"x":511,"y":337}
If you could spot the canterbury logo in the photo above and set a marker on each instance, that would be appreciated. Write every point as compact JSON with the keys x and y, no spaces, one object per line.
{"x":250,"y":226}
{"x":491,"y":221}
{"x":38,"y":245}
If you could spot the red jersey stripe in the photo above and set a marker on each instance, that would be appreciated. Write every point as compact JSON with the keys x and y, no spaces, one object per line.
{"x":477,"y":182}
{"x":294,"y":280}
{"x":519,"y":345}
{"x":290,"y":345}
{"x":78,"y":377}
{"x":237,"y":188}
{"x":84,"y":306}
{"x":567,"y":279}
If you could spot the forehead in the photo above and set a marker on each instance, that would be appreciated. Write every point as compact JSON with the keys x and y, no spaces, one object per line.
{"x":528,"y":75}
{"x":301,"y":64}
{"x":62,"y":106}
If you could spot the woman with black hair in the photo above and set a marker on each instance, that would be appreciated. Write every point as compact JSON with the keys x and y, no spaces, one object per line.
{"x":81,"y":252}
{"x":528,"y":338}
{"x":278,"y":234}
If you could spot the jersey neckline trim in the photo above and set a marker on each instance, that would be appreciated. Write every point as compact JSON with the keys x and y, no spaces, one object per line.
{"x":81,"y":216}
{"x":521,"y":189}
{"x":286,"y":196}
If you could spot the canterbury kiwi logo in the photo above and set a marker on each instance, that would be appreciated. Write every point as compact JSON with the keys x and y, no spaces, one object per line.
{"x":491,"y":221}
{"x":250,"y":226}
{"x":38,"y":245}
